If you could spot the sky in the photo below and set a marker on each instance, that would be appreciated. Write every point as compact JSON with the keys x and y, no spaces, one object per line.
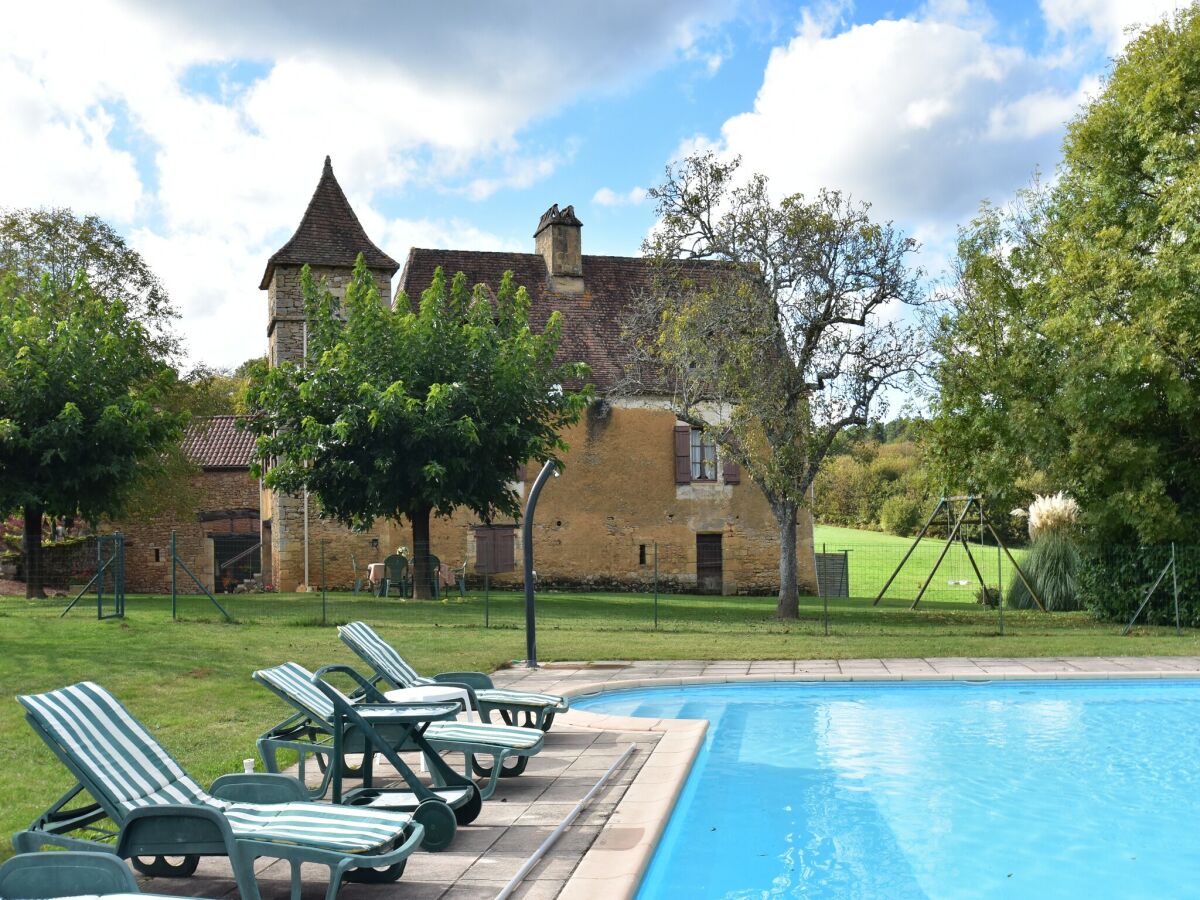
{"x":198,"y":130}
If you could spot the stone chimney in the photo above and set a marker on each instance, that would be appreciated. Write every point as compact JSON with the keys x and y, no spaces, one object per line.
{"x":557,"y":239}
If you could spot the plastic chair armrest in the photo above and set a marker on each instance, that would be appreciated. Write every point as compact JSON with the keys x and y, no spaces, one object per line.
{"x":474,"y":680}
{"x":259,"y":787}
{"x":369,"y":691}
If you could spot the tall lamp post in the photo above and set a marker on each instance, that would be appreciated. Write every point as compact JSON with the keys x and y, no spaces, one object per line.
{"x":550,"y":468}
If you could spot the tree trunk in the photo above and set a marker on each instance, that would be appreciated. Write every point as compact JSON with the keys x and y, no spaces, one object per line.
{"x":33,"y":553}
{"x":421,"y":575}
{"x":789,"y":600}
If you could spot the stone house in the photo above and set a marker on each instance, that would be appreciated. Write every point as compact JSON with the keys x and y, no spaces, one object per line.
{"x":217,"y":538}
{"x":637,"y":484}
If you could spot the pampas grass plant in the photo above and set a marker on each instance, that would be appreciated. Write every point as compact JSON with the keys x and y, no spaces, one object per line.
{"x":1053,"y":559}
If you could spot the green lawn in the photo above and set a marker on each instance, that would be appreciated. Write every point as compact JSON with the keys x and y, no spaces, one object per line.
{"x":874,"y":557}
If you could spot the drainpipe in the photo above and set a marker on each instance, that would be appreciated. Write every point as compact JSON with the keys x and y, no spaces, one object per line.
{"x":550,"y":468}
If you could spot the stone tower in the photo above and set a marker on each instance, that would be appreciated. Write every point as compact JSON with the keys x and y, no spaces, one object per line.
{"x":328,"y":239}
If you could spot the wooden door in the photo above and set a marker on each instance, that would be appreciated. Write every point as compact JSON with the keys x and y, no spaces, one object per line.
{"x":709,"y":578}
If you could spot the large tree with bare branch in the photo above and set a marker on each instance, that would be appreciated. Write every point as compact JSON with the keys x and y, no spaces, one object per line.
{"x":789,"y":339}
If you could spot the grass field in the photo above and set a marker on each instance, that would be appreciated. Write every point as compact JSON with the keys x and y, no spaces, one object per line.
{"x":874,"y":556}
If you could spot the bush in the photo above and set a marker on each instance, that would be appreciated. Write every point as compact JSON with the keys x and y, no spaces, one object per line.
{"x":1053,"y":566}
{"x":1113,"y":581}
{"x":902,"y":514}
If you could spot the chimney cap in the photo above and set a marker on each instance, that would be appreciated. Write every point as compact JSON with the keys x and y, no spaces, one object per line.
{"x":555,"y":216}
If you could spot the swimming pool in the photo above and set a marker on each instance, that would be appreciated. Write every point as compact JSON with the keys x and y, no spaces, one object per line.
{"x":954,"y":789}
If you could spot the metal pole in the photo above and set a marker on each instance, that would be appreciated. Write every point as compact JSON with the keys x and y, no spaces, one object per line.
{"x":1175,"y":584}
{"x":172,"y":573}
{"x":323,"y":610}
{"x":550,"y":468}
{"x":656,"y":585}
{"x":1000,"y":586}
{"x":487,"y":600}
{"x":506,"y":891}
{"x":100,"y":571}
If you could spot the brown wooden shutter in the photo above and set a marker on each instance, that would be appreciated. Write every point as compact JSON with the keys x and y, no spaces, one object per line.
{"x":732,"y":471}
{"x":503,"y":544}
{"x":485,"y":550}
{"x":683,"y":454}
{"x":521,"y":472}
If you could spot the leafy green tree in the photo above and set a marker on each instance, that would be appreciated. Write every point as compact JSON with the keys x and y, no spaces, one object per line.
{"x":1072,"y":353}
{"x":402,"y":412}
{"x":81,"y":382}
{"x":55,"y":244}
{"x":782,"y":343}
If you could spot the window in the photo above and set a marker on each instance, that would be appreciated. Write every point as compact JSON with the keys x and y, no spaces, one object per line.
{"x":704,"y":456}
{"x":641,"y":554}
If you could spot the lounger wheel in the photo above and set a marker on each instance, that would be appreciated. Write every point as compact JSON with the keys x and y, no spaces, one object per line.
{"x":376,"y":876}
{"x":469,"y":811}
{"x":510,"y":771}
{"x":440,"y":823}
{"x":163,"y":867}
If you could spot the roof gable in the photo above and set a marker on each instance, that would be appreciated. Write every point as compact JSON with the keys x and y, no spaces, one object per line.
{"x":329,"y":234}
{"x":216,"y":442}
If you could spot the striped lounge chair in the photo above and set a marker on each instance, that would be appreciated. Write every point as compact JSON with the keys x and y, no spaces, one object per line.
{"x":330,"y":724}
{"x":160,"y":812}
{"x":513,"y":707}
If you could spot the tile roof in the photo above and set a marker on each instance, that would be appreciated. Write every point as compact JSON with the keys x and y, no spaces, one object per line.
{"x":329,"y":234}
{"x":215,"y":442}
{"x":592,"y":321}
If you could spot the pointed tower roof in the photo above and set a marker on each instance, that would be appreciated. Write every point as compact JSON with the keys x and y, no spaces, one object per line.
{"x":329,"y":234}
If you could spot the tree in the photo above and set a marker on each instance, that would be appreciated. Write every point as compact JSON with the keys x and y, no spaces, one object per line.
{"x":784,"y":343}
{"x":81,"y":381}
{"x":55,"y":244}
{"x":1071,"y":352}
{"x":403,"y":412}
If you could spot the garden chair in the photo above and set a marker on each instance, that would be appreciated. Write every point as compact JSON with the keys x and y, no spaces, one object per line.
{"x":160,"y":812}
{"x":330,"y":724}
{"x":74,"y":873}
{"x":389,"y":666}
{"x":395,"y":574}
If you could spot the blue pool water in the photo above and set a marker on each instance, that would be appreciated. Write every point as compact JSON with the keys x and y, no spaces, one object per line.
{"x":949,"y":790}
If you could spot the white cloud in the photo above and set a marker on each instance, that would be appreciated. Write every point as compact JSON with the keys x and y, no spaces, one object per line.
{"x":1108,"y":21}
{"x":608,"y":197}
{"x":99,"y":116}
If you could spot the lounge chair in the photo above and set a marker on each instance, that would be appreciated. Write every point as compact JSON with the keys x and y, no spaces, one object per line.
{"x":74,"y":873}
{"x":160,"y":812}
{"x":330,"y":724}
{"x":389,"y":666}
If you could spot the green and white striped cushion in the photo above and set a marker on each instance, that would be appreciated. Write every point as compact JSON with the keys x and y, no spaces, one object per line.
{"x":295,"y":682}
{"x":498,"y":736}
{"x":129,"y":769}
{"x":382,"y":656}
{"x":505,"y":697}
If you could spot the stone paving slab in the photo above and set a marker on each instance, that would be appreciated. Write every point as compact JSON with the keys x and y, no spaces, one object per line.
{"x":603,"y":854}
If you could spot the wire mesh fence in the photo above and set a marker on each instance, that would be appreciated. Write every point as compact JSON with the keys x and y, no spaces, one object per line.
{"x":851,"y":582}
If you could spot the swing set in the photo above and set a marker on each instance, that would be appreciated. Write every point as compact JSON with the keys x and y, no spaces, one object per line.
{"x":954,"y":532}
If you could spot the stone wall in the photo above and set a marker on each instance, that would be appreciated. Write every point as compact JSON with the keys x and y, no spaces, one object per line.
{"x":147,"y":543}
{"x":617,"y":494}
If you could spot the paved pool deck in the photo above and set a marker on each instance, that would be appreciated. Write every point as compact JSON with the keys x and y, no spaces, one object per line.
{"x":602,"y":855}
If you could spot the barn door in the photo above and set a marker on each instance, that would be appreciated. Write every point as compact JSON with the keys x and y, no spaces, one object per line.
{"x":708,"y":563}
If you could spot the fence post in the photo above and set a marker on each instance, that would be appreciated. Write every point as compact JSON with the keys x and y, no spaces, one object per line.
{"x":487,"y":599}
{"x":173,"y":574}
{"x":656,"y":585}
{"x":1000,"y":586}
{"x":1175,"y":585}
{"x":323,"y":617}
